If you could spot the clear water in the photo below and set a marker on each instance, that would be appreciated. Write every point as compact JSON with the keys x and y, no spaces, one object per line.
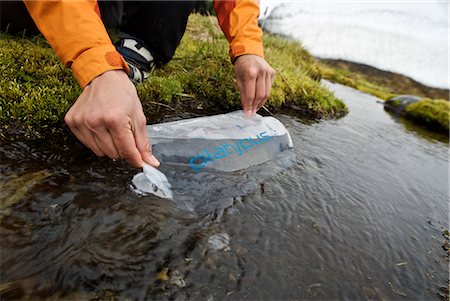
{"x":354,"y":211}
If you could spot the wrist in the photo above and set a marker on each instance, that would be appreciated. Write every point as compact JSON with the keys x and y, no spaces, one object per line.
{"x":111,"y":75}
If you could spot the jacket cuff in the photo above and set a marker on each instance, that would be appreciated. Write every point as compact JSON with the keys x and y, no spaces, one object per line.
{"x":95,"y":61}
{"x":250,"y":47}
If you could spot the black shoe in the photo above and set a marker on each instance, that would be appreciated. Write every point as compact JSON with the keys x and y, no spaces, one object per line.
{"x":139,"y":59}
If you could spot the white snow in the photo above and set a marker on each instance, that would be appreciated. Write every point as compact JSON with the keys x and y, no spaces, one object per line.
{"x":405,"y":37}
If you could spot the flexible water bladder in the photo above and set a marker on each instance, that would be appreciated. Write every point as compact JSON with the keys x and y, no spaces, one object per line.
{"x":225,"y":142}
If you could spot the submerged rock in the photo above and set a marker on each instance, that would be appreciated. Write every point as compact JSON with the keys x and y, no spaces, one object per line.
{"x":219,"y":241}
{"x":177,"y":278}
{"x":399,"y":103}
{"x":13,"y":188}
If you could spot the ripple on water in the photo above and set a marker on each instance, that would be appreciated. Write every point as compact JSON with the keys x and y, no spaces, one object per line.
{"x":361,"y":199}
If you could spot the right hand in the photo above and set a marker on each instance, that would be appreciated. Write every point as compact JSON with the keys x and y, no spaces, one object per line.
{"x":108,"y":118}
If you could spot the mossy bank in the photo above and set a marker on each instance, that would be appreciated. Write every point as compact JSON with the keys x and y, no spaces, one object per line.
{"x":36,"y":90}
{"x":432,"y":110}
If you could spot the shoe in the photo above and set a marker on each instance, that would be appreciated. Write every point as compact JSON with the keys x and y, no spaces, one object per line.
{"x":139,"y":59}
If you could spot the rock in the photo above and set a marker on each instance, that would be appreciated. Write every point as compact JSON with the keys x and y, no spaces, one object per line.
{"x":398,"y":103}
{"x":14,"y":188}
{"x":176,"y":278}
{"x":219,"y":241}
{"x":54,"y":212}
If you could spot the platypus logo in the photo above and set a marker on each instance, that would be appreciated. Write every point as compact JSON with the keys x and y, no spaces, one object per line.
{"x":225,"y":150}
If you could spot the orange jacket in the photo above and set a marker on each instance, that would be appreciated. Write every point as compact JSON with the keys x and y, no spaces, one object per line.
{"x":76,"y":33}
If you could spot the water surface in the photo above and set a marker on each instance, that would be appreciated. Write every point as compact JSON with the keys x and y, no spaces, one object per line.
{"x":355,"y":211}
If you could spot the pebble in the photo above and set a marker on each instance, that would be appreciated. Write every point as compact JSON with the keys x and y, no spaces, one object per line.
{"x":219,"y":241}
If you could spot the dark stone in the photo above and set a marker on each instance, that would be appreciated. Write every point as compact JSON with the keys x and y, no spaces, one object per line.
{"x":398,"y":103}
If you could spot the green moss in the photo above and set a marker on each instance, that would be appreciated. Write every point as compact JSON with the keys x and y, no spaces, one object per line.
{"x":396,"y":103}
{"x":161,"y":88}
{"x":435,"y":113}
{"x":36,"y":89}
{"x":355,"y":80}
{"x":297,"y":81}
{"x":201,"y":67}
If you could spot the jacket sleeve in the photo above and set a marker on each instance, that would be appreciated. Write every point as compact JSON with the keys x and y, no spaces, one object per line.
{"x":76,"y":33}
{"x":239,"y":22}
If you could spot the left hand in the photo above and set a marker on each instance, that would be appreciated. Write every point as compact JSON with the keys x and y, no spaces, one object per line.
{"x":254,"y":79}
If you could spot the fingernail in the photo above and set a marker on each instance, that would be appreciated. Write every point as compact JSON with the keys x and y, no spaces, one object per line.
{"x":154,"y":161}
{"x":248,"y":112}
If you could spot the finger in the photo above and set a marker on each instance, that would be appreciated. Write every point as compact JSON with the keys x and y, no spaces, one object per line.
{"x":247,"y":90}
{"x":106,"y":144}
{"x":143,"y":143}
{"x":125,"y":143}
{"x":260,"y":92}
{"x":272,"y":77}
{"x":268,"y":88}
{"x":88,"y":140}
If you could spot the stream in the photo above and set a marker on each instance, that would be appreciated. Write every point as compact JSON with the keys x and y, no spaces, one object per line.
{"x":355,"y":211}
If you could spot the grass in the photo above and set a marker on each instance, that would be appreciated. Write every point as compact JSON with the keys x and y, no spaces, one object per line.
{"x":201,"y":70}
{"x":36,"y":90}
{"x":433,"y":112}
{"x":357,"y":81}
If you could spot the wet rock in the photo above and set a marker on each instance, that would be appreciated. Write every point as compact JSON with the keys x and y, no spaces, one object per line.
{"x":55,"y":212}
{"x":176,"y":278}
{"x":446,"y":244}
{"x":314,"y":290}
{"x":14,"y":188}
{"x":443,"y":292}
{"x":210,"y":263}
{"x":399,"y":103}
{"x":219,"y":241}
{"x":372,"y":293}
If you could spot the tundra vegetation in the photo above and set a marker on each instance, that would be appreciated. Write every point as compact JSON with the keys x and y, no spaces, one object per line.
{"x":36,"y":89}
{"x":432,"y":110}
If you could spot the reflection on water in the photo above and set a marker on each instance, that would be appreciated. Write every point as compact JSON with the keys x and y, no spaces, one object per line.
{"x":421,"y":130}
{"x":361,"y":199}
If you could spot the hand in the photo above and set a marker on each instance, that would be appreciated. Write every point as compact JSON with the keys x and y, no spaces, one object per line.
{"x":108,"y":118}
{"x":254,"y":79}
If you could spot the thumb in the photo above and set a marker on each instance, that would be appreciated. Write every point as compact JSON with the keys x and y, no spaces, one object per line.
{"x":143,"y":145}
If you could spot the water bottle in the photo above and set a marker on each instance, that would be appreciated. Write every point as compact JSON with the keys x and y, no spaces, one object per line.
{"x":225,"y":142}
